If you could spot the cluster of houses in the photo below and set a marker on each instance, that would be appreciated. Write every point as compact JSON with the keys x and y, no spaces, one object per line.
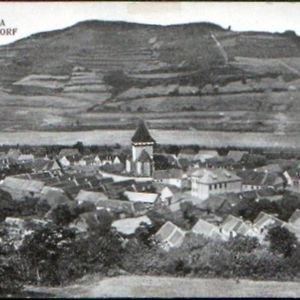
{"x":129,"y":185}
{"x":171,"y":236}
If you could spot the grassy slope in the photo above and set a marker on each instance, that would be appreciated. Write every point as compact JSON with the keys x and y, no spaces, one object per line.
{"x":151,"y":286}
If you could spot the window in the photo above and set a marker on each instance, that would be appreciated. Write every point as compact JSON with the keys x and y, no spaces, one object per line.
{"x":225,"y":185}
{"x":216,"y":186}
{"x":220,"y":185}
{"x":210,"y":187}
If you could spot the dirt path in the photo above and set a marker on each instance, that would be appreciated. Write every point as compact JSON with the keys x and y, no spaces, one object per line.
{"x":149,"y":286}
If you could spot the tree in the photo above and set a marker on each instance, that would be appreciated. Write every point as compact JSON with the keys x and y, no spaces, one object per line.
{"x":79,"y":145}
{"x":282,"y":241}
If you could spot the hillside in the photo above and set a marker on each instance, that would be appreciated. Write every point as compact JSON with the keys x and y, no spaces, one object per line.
{"x":71,"y":78}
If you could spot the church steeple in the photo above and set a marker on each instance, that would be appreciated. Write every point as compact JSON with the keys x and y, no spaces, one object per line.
{"x":142,"y":134}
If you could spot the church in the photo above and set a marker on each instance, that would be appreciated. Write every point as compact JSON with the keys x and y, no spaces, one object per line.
{"x":141,"y":163}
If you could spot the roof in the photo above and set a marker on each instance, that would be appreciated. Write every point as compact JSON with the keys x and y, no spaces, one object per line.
{"x":264,"y":220}
{"x":53,"y":196}
{"x":118,"y":206}
{"x":203,"y":155}
{"x":68,"y":152}
{"x":274,"y":168}
{"x":207,"y":176}
{"x":166,"y":193}
{"x":207,"y":229}
{"x":170,"y":235}
{"x":141,"y":197}
{"x":92,"y":197}
{"x":22,"y":184}
{"x":165,"y":174}
{"x":26,"y":157}
{"x":144,"y":156}
{"x":14,"y":153}
{"x":129,"y":226}
{"x":295,"y":217}
{"x":259,"y":178}
{"x":142,"y":134}
{"x":85,"y":221}
{"x":237,"y":225}
{"x":236,"y":155}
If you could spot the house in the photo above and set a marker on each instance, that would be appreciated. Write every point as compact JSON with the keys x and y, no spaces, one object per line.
{"x":65,"y":162}
{"x":255,"y":180}
{"x":146,"y":198}
{"x":53,"y":196}
{"x":169,"y":177}
{"x":166,"y":195}
{"x":295,"y":218}
{"x":69,"y":153}
{"x":271,"y":168}
{"x":116,"y":160}
{"x":141,"y":161}
{"x":170,"y":236}
{"x":210,"y":182}
{"x":208,"y":230}
{"x":220,"y":203}
{"x":21,"y":188}
{"x":85,"y":222}
{"x":187,"y":153}
{"x":120,"y":207}
{"x":264,"y":222}
{"x":233,"y":226}
{"x":128,"y":226}
{"x":236,"y":155}
{"x":88,"y":160}
{"x":13,"y":154}
{"x":204,"y":155}
{"x":25,"y":158}
{"x":92,"y":197}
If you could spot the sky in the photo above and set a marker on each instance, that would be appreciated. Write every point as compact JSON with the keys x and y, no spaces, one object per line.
{"x":33,"y":17}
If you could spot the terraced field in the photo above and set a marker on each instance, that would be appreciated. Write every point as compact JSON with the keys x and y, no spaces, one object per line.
{"x":134,"y":70}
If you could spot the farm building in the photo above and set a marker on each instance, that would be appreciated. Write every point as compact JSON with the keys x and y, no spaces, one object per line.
{"x":211,"y":182}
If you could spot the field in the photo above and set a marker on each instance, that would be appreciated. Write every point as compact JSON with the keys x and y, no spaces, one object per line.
{"x":211,"y":139}
{"x":148,"y":286}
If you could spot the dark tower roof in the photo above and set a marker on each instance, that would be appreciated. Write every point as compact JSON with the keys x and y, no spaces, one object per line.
{"x":142,"y":134}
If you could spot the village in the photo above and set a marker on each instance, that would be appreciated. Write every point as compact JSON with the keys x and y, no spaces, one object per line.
{"x":130,"y":183}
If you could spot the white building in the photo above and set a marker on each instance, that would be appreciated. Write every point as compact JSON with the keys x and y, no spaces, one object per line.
{"x":211,"y":182}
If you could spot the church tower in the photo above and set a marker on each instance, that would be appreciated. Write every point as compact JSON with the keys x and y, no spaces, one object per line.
{"x":142,"y":145}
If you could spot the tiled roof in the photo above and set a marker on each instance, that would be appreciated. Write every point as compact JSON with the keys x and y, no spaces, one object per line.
{"x":142,"y":134}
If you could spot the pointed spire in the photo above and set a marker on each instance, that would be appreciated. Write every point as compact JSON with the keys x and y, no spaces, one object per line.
{"x":142,"y":134}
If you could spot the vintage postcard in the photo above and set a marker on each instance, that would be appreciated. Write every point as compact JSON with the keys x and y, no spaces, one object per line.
{"x":149,"y":149}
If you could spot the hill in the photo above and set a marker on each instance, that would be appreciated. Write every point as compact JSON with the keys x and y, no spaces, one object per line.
{"x":70,"y":78}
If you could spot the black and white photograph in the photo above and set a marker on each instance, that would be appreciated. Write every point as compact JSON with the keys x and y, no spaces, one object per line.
{"x":149,"y":149}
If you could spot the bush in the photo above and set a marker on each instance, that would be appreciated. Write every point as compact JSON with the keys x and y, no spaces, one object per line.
{"x":282,"y":241}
